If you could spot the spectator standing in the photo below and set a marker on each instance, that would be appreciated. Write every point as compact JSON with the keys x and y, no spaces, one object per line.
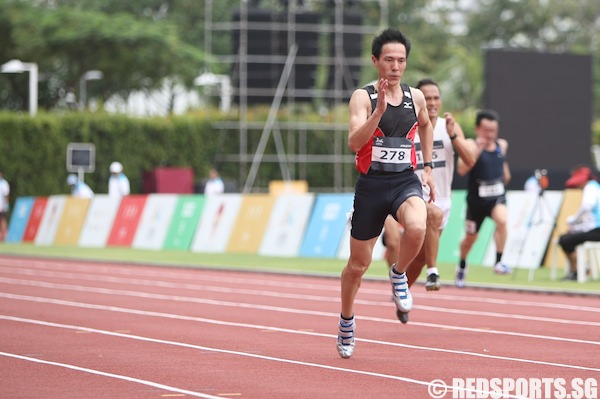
{"x":215,"y":184}
{"x":118,"y":183}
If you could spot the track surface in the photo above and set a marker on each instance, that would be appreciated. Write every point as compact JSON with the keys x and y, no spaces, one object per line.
{"x":74,"y":329}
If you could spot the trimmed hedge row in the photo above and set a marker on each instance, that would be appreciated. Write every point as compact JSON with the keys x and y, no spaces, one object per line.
{"x":33,"y":150}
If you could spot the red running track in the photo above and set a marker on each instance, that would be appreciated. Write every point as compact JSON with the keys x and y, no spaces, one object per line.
{"x":74,"y":329}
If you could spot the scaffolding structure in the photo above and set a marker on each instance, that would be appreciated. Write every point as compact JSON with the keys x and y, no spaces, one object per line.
{"x":293,"y":159}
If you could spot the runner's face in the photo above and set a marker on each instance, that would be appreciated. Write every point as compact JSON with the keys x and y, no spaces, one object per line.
{"x":487,"y":130}
{"x":433,"y":100}
{"x":391,"y":62}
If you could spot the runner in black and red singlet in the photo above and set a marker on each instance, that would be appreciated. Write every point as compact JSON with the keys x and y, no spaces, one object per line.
{"x":383,"y":122}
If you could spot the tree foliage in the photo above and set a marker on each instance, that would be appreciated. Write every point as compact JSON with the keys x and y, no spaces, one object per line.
{"x":542,"y":25}
{"x":66,"y":42}
{"x":140,"y":44}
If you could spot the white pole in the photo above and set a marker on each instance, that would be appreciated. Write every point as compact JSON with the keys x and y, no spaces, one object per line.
{"x":33,"y":88}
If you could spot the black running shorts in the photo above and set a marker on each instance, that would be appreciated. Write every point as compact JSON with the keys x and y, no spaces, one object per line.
{"x":377,"y":196}
{"x":478,"y":210}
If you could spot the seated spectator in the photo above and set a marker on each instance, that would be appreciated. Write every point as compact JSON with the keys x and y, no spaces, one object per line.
{"x":585,"y":224}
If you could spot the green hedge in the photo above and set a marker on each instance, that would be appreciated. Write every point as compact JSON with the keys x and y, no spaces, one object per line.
{"x":34,"y":149}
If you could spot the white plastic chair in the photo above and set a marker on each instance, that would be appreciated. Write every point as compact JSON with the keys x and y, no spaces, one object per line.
{"x":588,"y":255}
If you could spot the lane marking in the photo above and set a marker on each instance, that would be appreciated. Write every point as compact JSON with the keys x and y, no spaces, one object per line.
{"x":236,"y":353}
{"x":110,"y":375}
{"x":252,"y":326}
{"x":139,"y":294}
{"x":262,"y":282}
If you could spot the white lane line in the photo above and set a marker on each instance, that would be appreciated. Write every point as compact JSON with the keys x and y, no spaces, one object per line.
{"x":261,"y":281}
{"x":111,"y":375}
{"x":288,"y":296}
{"x":246,"y":354}
{"x":270,"y":328}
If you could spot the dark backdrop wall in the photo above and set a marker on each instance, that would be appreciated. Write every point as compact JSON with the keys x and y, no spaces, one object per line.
{"x":545,"y":105}
{"x":545,"y":102}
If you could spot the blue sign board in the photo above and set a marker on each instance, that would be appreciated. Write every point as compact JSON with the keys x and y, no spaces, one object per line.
{"x":19,"y":219}
{"x":326,"y":225}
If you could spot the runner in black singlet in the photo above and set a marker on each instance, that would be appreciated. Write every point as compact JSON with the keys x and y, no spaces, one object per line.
{"x":486,"y":192}
{"x":383,"y":122}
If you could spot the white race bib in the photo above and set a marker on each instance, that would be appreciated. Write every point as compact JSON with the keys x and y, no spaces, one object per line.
{"x":491,"y":189}
{"x":391,"y":154}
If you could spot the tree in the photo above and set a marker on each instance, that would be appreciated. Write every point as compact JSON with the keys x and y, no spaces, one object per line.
{"x":67,"y":41}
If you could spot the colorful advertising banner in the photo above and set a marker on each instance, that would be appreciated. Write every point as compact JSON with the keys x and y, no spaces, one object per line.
{"x":35,"y":219}
{"x":216,"y":223}
{"x":454,"y":232}
{"x":531,"y":219}
{"x":49,"y":224}
{"x":344,"y":248}
{"x":570,"y":205}
{"x":19,"y":218}
{"x":287,"y":225}
{"x":155,"y":220}
{"x":71,"y":221}
{"x":326,"y":225}
{"x":251,"y":223}
{"x":99,"y":221}
{"x":455,"y":229}
{"x":127,"y":220}
{"x":184,"y":222}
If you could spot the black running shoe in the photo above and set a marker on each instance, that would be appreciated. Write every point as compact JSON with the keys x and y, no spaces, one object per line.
{"x":402,"y":316}
{"x":433,"y":282}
